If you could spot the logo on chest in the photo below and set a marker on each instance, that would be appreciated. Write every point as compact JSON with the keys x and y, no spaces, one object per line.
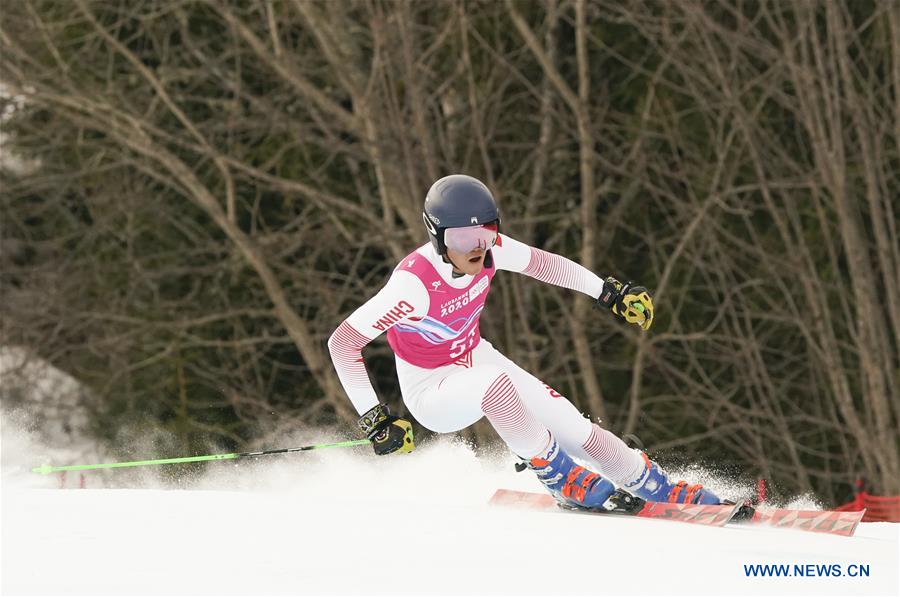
{"x":458,"y":302}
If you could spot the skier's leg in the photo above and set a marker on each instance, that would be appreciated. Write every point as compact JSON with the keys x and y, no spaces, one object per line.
{"x":453,"y":399}
{"x":587,"y":441}
{"x":461,"y":396}
{"x":580,"y":437}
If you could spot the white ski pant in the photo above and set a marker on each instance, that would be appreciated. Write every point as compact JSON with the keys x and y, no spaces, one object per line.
{"x":520,"y":407}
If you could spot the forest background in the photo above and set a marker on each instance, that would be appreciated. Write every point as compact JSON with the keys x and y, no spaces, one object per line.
{"x":195,"y":193}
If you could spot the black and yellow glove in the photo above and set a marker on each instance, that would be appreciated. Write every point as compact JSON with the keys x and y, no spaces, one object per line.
{"x":387,"y":433}
{"x":627,"y":301}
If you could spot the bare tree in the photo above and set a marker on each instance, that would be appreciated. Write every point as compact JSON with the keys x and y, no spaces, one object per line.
{"x":218,"y":184}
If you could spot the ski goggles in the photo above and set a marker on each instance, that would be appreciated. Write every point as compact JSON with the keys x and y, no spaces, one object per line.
{"x":470,"y":238}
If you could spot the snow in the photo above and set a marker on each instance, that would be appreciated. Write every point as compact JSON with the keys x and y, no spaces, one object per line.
{"x":46,"y":407}
{"x":347,"y":522}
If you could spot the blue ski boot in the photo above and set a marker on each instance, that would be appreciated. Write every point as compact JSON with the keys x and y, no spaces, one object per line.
{"x":570,"y":484}
{"x":654,"y":485}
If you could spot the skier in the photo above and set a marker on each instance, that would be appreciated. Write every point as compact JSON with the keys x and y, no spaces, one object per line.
{"x":450,"y":376}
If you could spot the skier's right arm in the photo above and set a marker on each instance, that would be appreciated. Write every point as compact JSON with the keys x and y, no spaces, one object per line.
{"x":404,"y":296}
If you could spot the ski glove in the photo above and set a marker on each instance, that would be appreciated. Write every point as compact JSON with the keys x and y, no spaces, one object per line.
{"x":386,"y":432}
{"x":627,"y":301}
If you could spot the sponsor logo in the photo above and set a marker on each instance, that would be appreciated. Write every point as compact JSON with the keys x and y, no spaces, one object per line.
{"x":458,"y":302}
{"x":474,"y":220}
{"x":553,"y":392}
{"x":478,"y":288}
{"x":428,"y":224}
{"x":393,"y":316}
{"x":410,"y":262}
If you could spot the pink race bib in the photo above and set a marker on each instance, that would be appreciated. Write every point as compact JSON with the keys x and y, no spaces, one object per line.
{"x":450,"y":329}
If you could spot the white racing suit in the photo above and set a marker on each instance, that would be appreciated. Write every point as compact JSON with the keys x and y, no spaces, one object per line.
{"x":450,"y":377}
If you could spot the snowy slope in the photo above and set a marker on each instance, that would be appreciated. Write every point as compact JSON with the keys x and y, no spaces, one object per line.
{"x":346,"y":523}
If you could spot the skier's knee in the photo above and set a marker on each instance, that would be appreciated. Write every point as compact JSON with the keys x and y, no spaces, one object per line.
{"x":499,"y":394}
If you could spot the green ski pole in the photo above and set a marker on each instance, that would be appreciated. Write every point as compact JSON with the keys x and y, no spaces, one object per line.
{"x":46,"y":469}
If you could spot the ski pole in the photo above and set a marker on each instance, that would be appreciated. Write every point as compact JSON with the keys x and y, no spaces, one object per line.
{"x":46,"y":469}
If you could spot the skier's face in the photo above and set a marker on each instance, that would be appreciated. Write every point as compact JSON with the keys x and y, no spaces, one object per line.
{"x":467,"y":246}
{"x":470,"y":263}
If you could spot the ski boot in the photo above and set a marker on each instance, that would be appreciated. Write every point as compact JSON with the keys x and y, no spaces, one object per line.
{"x":570,"y":484}
{"x":654,"y":485}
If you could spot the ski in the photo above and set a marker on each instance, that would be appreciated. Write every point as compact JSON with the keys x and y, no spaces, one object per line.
{"x":817,"y":521}
{"x":691,"y":513}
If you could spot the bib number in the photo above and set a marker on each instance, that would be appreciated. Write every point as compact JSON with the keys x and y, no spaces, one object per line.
{"x":460,"y":345}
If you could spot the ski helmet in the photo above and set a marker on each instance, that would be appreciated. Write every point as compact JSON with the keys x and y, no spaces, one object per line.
{"x":456,"y":201}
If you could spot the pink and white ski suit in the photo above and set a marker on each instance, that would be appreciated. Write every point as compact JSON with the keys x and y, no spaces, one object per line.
{"x":450,"y":376}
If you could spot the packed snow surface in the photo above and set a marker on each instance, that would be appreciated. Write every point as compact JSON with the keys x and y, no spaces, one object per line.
{"x":347,"y":522}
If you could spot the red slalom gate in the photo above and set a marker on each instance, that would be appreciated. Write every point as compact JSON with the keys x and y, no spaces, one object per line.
{"x":878,"y":508}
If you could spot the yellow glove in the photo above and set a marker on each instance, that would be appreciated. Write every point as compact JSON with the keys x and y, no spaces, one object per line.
{"x":627,"y":301}
{"x":387,"y":433}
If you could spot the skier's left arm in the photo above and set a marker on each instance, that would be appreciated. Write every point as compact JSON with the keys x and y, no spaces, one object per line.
{"x":627,"y":301}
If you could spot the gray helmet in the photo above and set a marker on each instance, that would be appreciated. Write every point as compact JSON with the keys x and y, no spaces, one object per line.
{"x":456,"y":201}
